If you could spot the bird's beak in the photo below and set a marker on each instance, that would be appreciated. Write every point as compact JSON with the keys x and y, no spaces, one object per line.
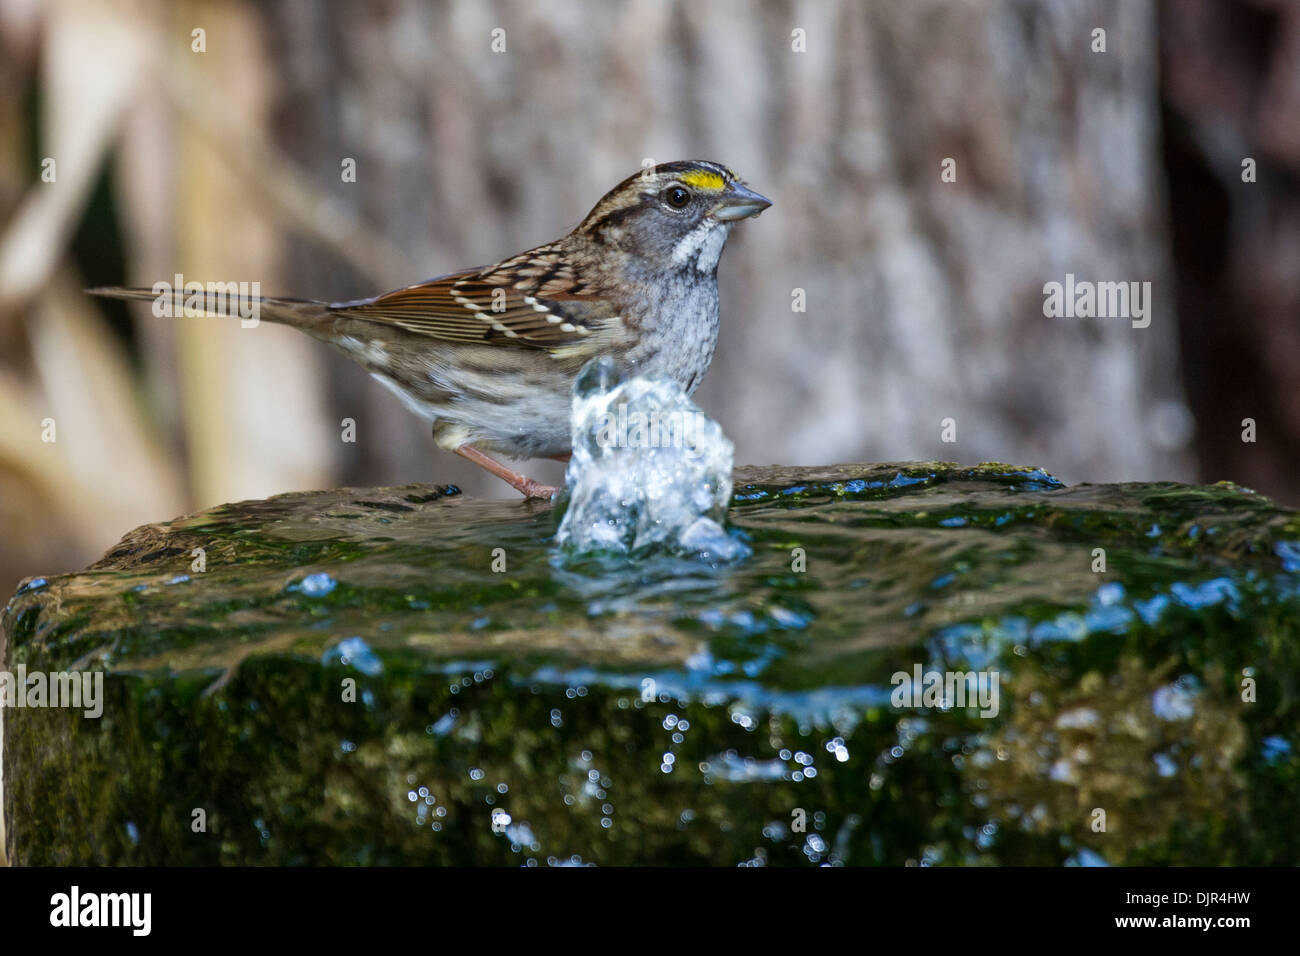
{"x":739,"y":202}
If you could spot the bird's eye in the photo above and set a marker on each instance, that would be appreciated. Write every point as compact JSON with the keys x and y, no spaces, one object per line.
{"x":677,"y":197}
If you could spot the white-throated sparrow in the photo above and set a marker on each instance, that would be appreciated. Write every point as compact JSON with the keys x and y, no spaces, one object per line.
{"x":489,"y":355}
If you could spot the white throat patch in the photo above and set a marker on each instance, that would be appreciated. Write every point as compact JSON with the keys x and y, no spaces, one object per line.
{"x":703,"y":244}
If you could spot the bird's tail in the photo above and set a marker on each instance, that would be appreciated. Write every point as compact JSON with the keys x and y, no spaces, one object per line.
{"x":225,"y":299}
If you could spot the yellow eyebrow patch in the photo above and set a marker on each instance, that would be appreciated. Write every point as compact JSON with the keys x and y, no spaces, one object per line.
{"x":703,"y":179}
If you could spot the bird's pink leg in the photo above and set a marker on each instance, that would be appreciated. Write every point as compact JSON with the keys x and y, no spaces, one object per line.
{"x":521,"y":483}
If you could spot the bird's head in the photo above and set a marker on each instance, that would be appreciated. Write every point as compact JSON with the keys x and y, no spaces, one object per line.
{"x":674,"y":215}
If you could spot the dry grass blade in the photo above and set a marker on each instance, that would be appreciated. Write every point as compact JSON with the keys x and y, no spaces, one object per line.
{"x":93,"y":59}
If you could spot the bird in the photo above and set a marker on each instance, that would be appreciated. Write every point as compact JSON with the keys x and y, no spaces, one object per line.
{"x":489,"y":355}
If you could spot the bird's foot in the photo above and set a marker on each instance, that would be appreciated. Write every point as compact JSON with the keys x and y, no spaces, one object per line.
{"x":521,"y":483}
{"x":531,"y":489}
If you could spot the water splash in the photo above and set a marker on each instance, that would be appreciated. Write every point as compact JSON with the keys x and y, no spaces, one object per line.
{"x":650,"y":471}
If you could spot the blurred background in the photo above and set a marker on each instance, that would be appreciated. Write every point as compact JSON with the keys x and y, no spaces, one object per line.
{"x":211,"y":138}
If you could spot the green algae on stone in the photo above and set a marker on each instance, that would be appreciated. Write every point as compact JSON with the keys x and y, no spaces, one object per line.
{"x":511,"y":707}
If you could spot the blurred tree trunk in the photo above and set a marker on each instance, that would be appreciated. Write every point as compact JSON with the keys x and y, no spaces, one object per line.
{"x":924,"y":298}
{"x":1231,"y":81}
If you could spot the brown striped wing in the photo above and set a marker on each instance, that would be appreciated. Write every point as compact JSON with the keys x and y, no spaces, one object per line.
{"x":528,"y":302}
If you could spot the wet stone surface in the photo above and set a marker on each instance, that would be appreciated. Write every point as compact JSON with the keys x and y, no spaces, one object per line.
{"x":518,"y":705}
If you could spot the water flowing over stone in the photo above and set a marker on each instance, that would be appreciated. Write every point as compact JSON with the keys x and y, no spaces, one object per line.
{"x":510,"y":708}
